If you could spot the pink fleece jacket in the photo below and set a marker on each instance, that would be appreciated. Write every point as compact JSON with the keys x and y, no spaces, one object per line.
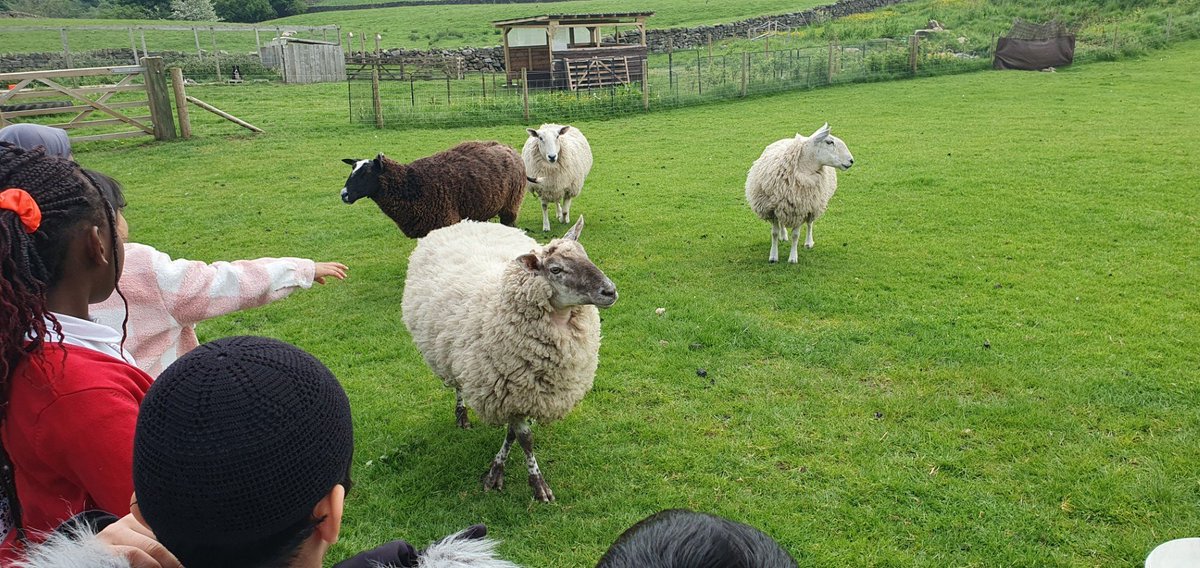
{"x":167,"y":298}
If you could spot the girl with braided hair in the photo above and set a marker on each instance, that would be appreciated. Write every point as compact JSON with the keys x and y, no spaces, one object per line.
{"x":69,"y":394}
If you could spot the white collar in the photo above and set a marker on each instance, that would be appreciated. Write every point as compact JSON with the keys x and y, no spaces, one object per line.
{"x":89,"y":334}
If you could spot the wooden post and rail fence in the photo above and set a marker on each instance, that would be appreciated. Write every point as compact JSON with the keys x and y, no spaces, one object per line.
{"x":125,"y":108}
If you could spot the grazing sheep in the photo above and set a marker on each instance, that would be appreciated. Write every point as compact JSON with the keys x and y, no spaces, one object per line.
{"x":557,"y":161}
{"x":791,"y":183}
{"x":510,"y":326}
{"x":474,"y":180}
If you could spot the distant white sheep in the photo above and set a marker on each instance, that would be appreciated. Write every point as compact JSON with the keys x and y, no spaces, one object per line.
{"x":791,"y":183}
{"x":511,"y":326}
{"x":557,"y":161}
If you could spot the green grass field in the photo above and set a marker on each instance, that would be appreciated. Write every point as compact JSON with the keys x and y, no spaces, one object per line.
{"x":989,"y":359}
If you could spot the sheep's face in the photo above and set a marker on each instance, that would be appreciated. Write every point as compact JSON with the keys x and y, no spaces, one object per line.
{"x":547,"y":140}
{"x":574,"y":279}
{"x":363,"y":180}
{"x":829,"y":150}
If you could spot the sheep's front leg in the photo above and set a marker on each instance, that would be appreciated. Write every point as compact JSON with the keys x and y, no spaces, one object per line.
{"x":545,"y":217}
{"x":565,"y":210}
{"x":494,"y":478}
{"x":794,"y":257}
{"x":808,"y":242}
{"x":541,"y":491}
{"x":776,"y":227}
{"x":460,"y":411}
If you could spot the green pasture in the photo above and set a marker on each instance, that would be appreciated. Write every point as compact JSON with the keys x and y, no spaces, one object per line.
{"x":989,"y":359}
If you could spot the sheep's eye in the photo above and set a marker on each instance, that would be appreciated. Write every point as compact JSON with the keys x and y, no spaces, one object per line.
{"x":830,"y":142}
{"x":555,"y":269}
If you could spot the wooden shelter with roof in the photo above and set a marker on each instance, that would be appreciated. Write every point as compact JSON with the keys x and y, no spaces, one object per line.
{"x":574,"y":51}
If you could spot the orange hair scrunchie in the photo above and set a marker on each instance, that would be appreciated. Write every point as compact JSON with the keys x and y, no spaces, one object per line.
{"x":20,"y":202}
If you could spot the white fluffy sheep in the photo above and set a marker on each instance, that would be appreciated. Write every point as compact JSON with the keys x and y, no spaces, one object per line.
{"x":510,"y":325}
{"x":791,"y":183}
{"x":557,"y":161}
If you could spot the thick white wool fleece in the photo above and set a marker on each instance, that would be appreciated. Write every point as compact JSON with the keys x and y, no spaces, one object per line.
{"x":62,"y":551}
{"x":482,"y":322}
{"x":565,"y":177}
{"x":787,"y":185}
{"x":458,"y":552}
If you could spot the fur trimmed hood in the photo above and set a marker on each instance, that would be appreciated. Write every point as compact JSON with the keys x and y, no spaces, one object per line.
{"x":84,"y":550}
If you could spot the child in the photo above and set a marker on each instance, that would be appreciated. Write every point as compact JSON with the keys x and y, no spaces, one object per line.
{"x":70,"y":399}
{"x":167,"y":297}
{"x":678,"y":538}
{"x":242,"y":459}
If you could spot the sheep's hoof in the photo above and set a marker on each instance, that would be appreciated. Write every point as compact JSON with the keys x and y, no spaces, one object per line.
{"x":808,"y":245}
{"x":541,"y":491}
{"x":460,"y":418}
{"x":494,"y":478}
{"x":772,"y":260}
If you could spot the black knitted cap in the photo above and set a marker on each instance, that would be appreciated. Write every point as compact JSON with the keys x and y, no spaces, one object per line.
{"x":238,"y":440}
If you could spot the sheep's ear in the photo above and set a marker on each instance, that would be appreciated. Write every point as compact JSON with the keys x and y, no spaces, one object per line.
{"x":379,"y":161}
{"x":532,"y":133}
{"x":531,"y":262}
{"x":573,"y":234}
{"x":349,"y":161}
{"x":562,"y":131}
{"x":821,"y":133}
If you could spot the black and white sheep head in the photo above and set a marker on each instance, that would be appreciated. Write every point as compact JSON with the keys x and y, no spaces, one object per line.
{"x":364,"y":178}
{"x":574,"y":279}
{"x":829,"y":150}
{"x":547,"y":140}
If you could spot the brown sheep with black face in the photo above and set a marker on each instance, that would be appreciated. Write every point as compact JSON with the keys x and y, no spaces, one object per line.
{"x":474,"y":180}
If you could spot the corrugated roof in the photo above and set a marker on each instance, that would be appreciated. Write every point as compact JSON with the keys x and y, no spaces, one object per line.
{"x":603,"y":18}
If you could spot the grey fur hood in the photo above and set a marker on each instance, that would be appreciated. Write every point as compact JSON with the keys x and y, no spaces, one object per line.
{"x":84,"y":550}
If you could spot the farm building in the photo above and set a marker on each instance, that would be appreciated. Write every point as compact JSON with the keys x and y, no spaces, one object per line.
{"x":304,"y":60}
{"x":574,"y":51}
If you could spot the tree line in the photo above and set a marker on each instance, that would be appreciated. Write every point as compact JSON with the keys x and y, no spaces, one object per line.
{"x":193,"y":10}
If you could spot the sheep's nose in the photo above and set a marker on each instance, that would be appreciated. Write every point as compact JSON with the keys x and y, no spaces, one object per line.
{"x":552,"y":157}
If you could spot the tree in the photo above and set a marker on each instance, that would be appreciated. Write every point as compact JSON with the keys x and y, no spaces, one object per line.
{"x":193,"y":10}
{"x":284,"y":8}
{"x":244,"y":10}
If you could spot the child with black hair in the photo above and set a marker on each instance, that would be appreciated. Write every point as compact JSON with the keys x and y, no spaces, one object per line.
{"x":679,"y":538}
{"x":70,"y":396}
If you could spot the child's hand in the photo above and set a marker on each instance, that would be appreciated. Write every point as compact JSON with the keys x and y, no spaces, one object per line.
{"x":329,"y":269}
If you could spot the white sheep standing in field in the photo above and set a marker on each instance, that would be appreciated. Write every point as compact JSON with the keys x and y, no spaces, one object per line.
{"x":791,"y":183}
{"x":557,"y":161}
{"x":511,"y":326}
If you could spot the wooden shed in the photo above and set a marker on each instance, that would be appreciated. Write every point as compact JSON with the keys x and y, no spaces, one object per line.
{"x":304,"y":60}
{"x":574,"y":51}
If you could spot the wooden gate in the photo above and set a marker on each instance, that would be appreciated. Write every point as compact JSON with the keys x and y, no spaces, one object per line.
{"x":596,"y":72}
{"x":44,"y":94}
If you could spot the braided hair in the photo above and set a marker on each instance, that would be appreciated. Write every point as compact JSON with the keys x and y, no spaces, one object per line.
{"x":32,"y":263}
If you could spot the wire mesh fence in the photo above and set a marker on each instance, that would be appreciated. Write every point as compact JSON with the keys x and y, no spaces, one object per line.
{"x":680,"y":78}
{"x":702,"y":75}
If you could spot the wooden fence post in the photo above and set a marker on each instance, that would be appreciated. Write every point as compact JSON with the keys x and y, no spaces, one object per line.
{"x":913,"y":42}
{"x":185,"y":122}
{"x":645,"y":84}
{"x":133,"y":46}
{"x":160,"y":100}
{"x":196,"y":36}
{"x":216,"y":54}
{"x":66,"y":48}
{"x":829,"y":76}
{"x":745,"y":72}
{"x":525,"y":90}
{"x":375,"y":100}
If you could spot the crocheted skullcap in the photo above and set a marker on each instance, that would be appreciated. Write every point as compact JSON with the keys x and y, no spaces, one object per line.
{"x":238,"y":440}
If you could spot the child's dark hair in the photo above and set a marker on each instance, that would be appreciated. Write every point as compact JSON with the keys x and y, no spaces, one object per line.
{"x":678,"y":538}
{"x":32,"y":262}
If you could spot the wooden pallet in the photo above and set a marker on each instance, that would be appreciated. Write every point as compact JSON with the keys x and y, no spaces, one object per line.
{"x":596,"y":72}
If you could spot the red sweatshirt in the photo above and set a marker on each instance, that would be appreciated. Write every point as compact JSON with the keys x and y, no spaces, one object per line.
{"x":69,"y":433}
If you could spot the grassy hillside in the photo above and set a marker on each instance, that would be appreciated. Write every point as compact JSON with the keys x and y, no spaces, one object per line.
{"x":1131,"y":25}
{"x":988,"y":359}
